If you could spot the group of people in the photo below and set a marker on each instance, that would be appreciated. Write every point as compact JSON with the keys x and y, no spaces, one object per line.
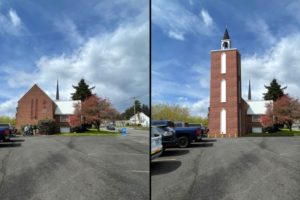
{"x":28,"y":130}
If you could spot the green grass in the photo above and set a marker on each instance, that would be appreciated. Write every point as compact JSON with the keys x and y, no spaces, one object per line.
{"x":91,"y":132}
{"x":282,"y":132}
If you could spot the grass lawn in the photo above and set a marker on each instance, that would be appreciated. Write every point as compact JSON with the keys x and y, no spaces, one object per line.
{"x":282,"y":132}
{"x":91,"y":132}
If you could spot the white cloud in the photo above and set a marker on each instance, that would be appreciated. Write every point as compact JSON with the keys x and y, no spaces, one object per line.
{"x":15,"y":19}
{"x":165,"y":14}
{"x":192,"y":92}
{"x":281,"y":61}
{"x":11,"y":23}
{"x":202,"y":73}
{"x":176,"y":35}
{"x":208,"y":21}
{"x":261,"y":29}
{"x":117,"y":63}
{"x":69,"y":28}
{"x":9,"y":107}
{"x":198,"y":108}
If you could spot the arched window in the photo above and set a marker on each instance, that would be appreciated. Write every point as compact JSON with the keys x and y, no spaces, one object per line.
{"x":223,"y":121}
{"x":223,"y":91}
{"x":223,"y":63}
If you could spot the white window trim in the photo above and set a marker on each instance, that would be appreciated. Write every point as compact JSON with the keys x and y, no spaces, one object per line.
{"x":67,"y":118}
{"x":254,"y":118}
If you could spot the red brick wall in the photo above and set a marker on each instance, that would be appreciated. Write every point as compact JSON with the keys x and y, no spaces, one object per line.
{"x":232,"y":104}
{"x":34,"y":106}
{"x":251,"y":124}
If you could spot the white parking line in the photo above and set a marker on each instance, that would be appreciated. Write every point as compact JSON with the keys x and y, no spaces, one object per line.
{"x":138,"y":171}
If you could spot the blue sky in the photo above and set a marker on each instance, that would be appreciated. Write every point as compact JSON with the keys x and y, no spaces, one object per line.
{"x":105,"y":42}
{"x":184,"y":32}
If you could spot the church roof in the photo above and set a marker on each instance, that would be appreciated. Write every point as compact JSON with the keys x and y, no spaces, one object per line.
{"x":226,"y":35}
{"x":65,"y":107}
{"x":33,"y":90}
{"x":257,"y":107}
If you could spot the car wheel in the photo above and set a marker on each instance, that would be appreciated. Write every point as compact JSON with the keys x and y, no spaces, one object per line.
{"x":183,"y":142}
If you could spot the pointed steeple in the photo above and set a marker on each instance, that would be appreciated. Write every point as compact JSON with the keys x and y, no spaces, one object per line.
{"x":57,"y":91}
{"x":249,"y":91}
{"x":226,"y":35}
{"x":226,"y":42}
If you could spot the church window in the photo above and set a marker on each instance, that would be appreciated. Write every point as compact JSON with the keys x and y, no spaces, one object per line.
{"x":36,"y":109}
{"x":223,"y":90}
{"x":223,"y":63}
{"x":223,"y":121}
{"x":31,"y":110}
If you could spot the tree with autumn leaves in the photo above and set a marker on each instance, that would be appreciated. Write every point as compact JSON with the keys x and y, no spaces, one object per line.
{"x":93,"y":110}
{"x":285,"y":110}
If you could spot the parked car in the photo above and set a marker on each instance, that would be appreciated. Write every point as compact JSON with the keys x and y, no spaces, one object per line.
{"x":180,"y":124}
{"x":168,"y":136}
{"x":5,"y":130}
{"x":156,"y":142}
{"x":110,"y":127}
{"x":204,"y":129}
{"x":185,"y":135}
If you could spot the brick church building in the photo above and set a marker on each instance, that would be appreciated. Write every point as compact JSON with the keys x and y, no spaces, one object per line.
{"x":36,"y":105}
{"x":229,"y":114}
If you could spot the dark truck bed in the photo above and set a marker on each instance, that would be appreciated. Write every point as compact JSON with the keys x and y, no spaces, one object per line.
{"x":185,"y":135}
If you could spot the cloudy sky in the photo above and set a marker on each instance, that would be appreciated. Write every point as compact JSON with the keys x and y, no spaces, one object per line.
{"x":184,"y":32}
{"x":105,"y":42}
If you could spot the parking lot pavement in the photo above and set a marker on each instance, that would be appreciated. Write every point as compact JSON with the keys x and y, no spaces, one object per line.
{"x":243,"y":168}
{"x":140,"y":136}
{"x":61,"y":167}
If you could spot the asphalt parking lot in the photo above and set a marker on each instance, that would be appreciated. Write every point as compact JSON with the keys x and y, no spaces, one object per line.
{"x":87,"y":167}
{"x":241,"y":169}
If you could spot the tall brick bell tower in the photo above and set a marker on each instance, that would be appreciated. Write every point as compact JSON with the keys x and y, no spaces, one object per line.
{"x":225,"y":114}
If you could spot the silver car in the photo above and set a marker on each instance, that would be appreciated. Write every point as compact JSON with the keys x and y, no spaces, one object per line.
{"x":156,"y":143}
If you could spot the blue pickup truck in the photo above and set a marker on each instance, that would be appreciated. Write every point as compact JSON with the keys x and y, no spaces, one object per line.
{"x":184,"y":135}
{"x":5,"y":130}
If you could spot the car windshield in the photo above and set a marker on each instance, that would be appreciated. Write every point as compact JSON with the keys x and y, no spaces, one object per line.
{"x":166,"y":128}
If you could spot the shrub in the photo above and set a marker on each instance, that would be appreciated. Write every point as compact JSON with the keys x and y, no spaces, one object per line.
{"x":46,"y":126}
{"x":78,"y":129}
{"x":270,"y":129}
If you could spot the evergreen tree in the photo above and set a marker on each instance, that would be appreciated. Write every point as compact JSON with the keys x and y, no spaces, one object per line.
{"x":129,"y":112}
{"x":138,"y":107}
{"x":274,"y":91}
{"x":82,"y":92}
{"x":146,"y":110}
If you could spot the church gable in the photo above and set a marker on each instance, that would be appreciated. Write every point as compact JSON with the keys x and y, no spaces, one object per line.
{"x":34,"y":92}
{"x":34,"y":106}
